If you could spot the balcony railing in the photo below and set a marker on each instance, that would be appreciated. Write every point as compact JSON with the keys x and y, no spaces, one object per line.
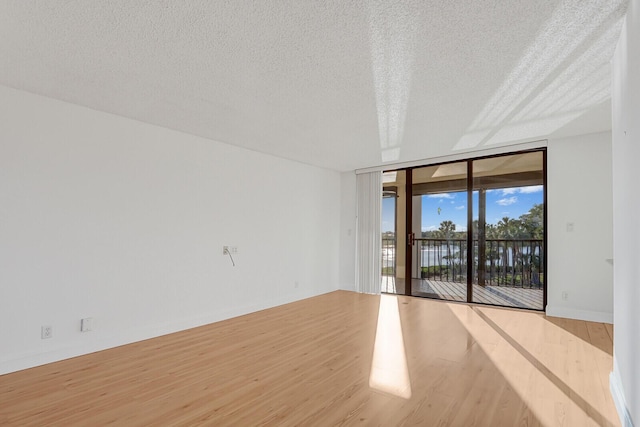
{"x":507,"y":262}
{"x":388,"y":257}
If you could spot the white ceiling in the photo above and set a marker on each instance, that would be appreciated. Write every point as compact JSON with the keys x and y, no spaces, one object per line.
{"x":343,"y":84}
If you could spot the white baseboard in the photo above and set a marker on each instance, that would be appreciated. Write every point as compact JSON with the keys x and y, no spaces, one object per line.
{"x":572,"y":313}
{"x":97,"y":342}
{"x":347,"y":287}
{"x":617,"y":393}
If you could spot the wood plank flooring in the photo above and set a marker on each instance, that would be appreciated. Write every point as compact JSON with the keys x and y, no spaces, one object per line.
{"x":310,"y":363}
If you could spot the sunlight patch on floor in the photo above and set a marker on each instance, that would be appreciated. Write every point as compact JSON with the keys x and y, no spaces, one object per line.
{"x":530,"y":366}
{"x":389,"y":370}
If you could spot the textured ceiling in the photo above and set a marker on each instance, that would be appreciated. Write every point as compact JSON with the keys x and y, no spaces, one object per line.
{"x":339,"y":84}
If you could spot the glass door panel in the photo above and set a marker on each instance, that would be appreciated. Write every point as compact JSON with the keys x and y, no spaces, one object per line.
{"x":508,"y":230}
{"x":439,"y":231}
{"x":394,"y":231}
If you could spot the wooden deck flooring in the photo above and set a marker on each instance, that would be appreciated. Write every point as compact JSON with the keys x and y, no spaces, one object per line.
{"x":337,"y":359}
{"x":530,"y":298}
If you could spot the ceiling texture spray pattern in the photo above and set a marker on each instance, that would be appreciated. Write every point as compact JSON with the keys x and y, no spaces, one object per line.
{"x":337,"y":84}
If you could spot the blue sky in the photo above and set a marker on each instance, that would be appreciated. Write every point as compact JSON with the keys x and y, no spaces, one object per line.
{"x":511,"y":202}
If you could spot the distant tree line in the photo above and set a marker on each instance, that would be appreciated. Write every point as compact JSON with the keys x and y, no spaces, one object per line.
{"x":528,"y":226}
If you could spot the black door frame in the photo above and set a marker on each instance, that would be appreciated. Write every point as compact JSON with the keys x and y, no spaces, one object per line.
{"x":410,"y":242}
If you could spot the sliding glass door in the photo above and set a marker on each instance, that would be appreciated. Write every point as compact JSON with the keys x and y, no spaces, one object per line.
{"x":394,"y":242}
{"x":439,"y":231}
{"x":508,"y":230}
{"x":470,"y":230}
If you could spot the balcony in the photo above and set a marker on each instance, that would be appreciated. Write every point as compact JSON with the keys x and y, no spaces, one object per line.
{"x":512,"y":273}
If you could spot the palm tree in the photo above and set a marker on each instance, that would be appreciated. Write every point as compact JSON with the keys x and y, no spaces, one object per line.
{"x":532,"y":229}
{"x":532,"y":222}
{"x":446,"y":231}
{"x":502,"y":228}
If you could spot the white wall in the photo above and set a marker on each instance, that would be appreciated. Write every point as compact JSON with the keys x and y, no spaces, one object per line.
{"x":579,"y":192}
{"x":348,"y":232}
{"x":625,"y":379}
{"x":106,"y":217}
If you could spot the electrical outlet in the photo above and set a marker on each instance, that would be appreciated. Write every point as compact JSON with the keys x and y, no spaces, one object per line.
{"x":46,"y":332}
{"x":295,"y":284}
{"x":225,"y":250}
{"x":86,"y":324}
{"x":234,"y":249}
{"x":565,"y":295}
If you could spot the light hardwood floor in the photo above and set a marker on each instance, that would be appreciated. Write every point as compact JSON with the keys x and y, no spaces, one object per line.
{"x":337,"y":359}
